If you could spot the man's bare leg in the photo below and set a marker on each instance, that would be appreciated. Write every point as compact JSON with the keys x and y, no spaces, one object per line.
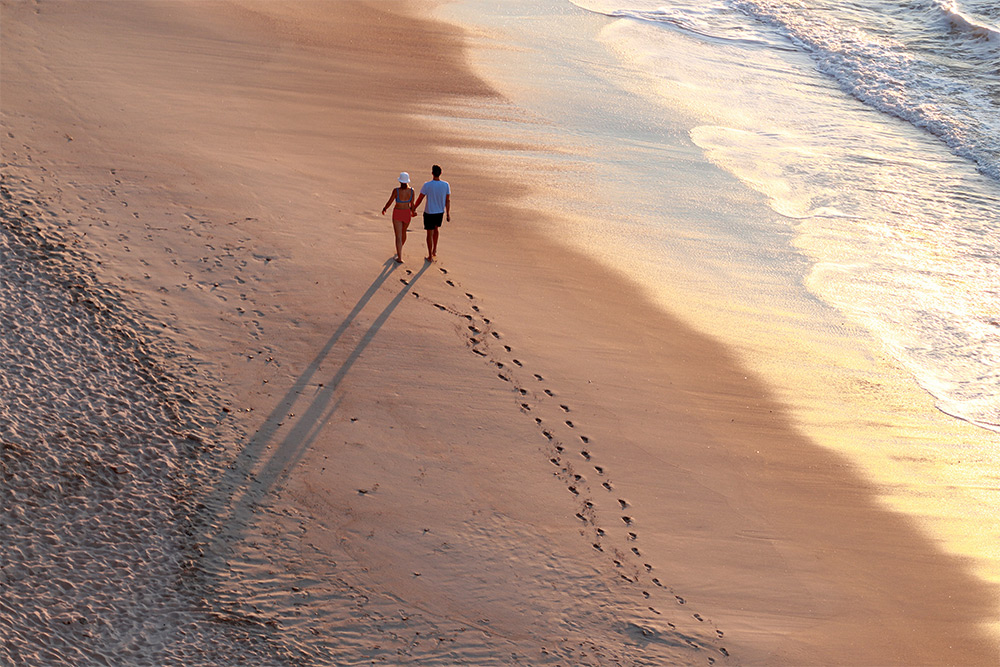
{"x":432,"y":237}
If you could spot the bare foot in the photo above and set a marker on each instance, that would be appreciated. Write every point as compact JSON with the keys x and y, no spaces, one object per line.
{"x":399,"y":260}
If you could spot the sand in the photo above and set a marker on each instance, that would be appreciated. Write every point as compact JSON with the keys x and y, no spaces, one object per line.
{"x":508,"y":456}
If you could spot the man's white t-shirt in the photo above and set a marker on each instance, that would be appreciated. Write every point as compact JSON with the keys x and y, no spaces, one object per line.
{"x":436,"y":192}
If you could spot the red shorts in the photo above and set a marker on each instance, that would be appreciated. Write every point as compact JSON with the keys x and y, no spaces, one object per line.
{"x":401,"y":215}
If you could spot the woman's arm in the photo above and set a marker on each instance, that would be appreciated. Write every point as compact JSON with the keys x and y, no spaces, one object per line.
{"x":389,"y":201}
{"x":419,"y":199}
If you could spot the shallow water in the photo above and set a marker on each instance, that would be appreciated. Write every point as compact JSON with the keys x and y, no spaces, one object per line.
{"x":802,"y":102}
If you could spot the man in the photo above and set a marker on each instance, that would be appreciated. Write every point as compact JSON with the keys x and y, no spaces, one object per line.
{"x":438,"y":195}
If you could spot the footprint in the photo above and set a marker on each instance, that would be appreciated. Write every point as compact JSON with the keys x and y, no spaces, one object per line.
{"x":574,"y":491}
{"x":475,"y":308}
{"x":606,"y":485}
{"x":636,"y":551}
{"x":538,"y":420}
{"x":518,"y":363}
{"x":548,"y":392}
{"x":404,"y":281}
{"x":450,"y":283}
{"x":680,"y":600}
{"x":570,"y":424}
{"x":724,"y":652}
{"x":599,"y":469}
{"x":440,"y":307}
{"x":698,"y":616}
{"x":585,"y":454}
{"x":537,"y":376}
{"x":444,"y":271}
{"x":494,"y":333}
{"x":657,"y":582}
{"x":598,"y":546}
{"x":623,"y":503}
{"x":627,"y":520}
{"x":525,"y":406}
{"x":554,"y":461}
{"x":471,"y":296}
{"x":547,"y":434}
{"x":585,"y":439}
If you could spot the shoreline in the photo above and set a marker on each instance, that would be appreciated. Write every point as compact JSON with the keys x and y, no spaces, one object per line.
{"x":721,"y":258}
{"x":431,"y":438}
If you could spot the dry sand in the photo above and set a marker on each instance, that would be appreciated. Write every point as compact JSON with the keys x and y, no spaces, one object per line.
{"x":506,"y":457}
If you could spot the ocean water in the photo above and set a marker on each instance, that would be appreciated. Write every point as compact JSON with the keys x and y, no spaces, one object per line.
{"x":902,"y":227}
{"x":815,"y":183}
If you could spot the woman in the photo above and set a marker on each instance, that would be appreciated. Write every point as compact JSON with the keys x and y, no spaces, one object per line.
{"x":401,"y":214}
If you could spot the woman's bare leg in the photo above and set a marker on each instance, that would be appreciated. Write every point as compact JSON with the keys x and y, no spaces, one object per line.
{"x":399,"y":229}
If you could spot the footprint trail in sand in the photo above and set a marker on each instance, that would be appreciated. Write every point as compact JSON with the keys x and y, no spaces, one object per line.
{"x":573,"y":466}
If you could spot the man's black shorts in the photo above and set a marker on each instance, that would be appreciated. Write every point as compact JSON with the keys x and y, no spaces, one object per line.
{"x":433,"y":220}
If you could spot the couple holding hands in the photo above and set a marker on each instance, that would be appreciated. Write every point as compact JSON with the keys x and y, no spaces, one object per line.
{"x":438,"y":194}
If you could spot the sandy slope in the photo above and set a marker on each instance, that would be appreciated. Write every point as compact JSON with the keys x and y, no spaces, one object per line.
{"x":501,"y":458}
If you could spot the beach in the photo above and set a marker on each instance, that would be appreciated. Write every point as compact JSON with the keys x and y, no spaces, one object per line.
{"x":515,"y":455}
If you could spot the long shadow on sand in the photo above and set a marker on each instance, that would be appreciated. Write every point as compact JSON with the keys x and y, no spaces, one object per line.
{"x":264,"y":469}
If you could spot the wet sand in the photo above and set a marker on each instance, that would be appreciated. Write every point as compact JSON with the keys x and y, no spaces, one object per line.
{"x":509,"y":456}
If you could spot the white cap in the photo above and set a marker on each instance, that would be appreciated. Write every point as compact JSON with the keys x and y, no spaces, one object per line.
{"x":404,"y":177}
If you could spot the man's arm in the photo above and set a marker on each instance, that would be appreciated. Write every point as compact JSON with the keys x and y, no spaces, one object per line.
{"x":447,"y":206}
{"x":419,"y":199}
